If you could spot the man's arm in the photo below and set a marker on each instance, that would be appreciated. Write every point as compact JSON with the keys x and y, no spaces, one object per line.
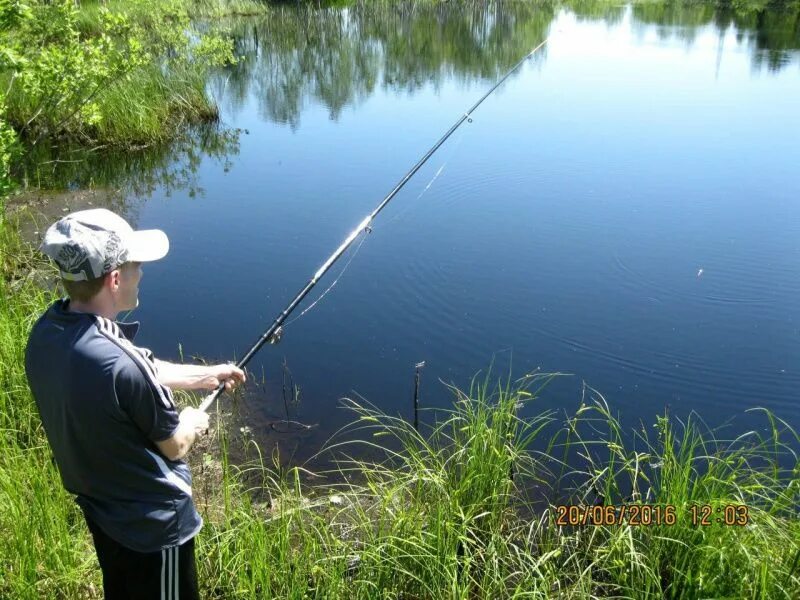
{"x":192,"y":422}
{"x":198,"y":377}
{"x":149,"y":404}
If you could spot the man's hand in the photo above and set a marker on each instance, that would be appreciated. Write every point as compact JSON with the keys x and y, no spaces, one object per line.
{"x":193,"y":422}
{"x":194,"y":419}
{"x":216,"y":374}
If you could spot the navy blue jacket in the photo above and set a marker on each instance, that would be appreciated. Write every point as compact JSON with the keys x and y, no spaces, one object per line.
{"x":103,"y":409}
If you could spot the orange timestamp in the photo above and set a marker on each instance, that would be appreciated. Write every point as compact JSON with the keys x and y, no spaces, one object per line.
{"x":724,"y":514}
{"x":616,"y":514}
{"x":643,"y":515}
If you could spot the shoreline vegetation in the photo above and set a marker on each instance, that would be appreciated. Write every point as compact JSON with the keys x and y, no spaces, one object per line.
{"x":466,"y":509}
{"x":119,"y":74}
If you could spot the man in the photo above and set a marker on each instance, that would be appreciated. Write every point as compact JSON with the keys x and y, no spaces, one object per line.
{"x":108,"y":411}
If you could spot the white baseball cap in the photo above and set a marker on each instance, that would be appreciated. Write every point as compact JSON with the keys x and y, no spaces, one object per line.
{"x":90,"y":243}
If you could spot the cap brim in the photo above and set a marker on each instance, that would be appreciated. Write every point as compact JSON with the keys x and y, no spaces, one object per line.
{"x":147,"y":245}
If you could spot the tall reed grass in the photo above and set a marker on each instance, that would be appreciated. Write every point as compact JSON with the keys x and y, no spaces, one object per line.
{"x":684,"y":465}
{"x":449,"y":513}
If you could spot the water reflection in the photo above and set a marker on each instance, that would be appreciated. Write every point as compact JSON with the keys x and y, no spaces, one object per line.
{"x":168,"y":167}
{"x":596,"y":10}
{"x":338,"y":56}
{"x":771,"y":31}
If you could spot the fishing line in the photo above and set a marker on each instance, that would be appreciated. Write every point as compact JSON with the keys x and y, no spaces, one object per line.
{"x":273,"y":332}
{"x":436,"y":175}
{"x":335,"y":281}
{"x":389,"y":222}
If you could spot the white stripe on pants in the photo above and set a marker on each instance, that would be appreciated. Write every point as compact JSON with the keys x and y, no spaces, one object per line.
{"x":170,"y":579}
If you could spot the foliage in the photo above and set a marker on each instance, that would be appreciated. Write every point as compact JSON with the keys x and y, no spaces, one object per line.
{"x":56,"y":74}
{"x":109,"y":77}
{"x":9,"y":149}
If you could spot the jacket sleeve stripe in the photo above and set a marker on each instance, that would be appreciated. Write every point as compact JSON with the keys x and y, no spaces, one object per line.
{"x":147,"y":367}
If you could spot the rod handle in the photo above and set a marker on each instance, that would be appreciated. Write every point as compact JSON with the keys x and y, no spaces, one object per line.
{"x":208,"y":400}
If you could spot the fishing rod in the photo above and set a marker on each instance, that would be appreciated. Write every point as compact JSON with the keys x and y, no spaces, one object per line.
{"x":273,"y":332}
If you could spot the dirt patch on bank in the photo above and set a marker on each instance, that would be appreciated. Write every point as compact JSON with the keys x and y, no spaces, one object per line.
{"x":33,"y":211}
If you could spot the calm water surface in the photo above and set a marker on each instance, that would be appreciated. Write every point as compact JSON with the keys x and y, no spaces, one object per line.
{"x":624,"y":209}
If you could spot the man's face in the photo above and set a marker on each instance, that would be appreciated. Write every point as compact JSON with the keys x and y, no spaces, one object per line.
{"x":128,"y":291}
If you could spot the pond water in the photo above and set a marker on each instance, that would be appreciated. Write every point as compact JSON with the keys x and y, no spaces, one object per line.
{"x":624,"y":209}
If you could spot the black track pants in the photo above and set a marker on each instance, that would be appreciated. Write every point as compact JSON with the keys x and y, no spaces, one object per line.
{"x":168,"y":574}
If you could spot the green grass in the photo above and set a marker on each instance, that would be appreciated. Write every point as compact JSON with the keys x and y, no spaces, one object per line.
{"x":445,"y":513}
{"x":686,"y":465}
{"x":44,"y":550}
{"x":132,"y":79}
{"x":150,"y":108}
{"x":435,"y":517}
{"x":154,"y":107}
{"x":438,"y":515}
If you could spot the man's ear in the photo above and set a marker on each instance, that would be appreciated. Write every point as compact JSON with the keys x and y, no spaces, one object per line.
{"x":112,"y":279}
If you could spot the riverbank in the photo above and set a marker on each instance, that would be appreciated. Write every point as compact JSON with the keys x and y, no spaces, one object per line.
{"x":460,"y":511}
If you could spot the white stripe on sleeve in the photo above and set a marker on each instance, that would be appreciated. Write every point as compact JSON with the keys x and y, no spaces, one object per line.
{"x":145,"y":364}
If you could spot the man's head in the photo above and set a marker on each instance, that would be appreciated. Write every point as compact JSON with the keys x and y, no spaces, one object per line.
{"x":99,"y":256}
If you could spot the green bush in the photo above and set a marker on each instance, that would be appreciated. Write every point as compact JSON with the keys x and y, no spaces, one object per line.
{"x":79,"y":72}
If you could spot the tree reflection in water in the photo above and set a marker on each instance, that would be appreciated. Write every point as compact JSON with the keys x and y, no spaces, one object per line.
{"x":337,"y":56}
